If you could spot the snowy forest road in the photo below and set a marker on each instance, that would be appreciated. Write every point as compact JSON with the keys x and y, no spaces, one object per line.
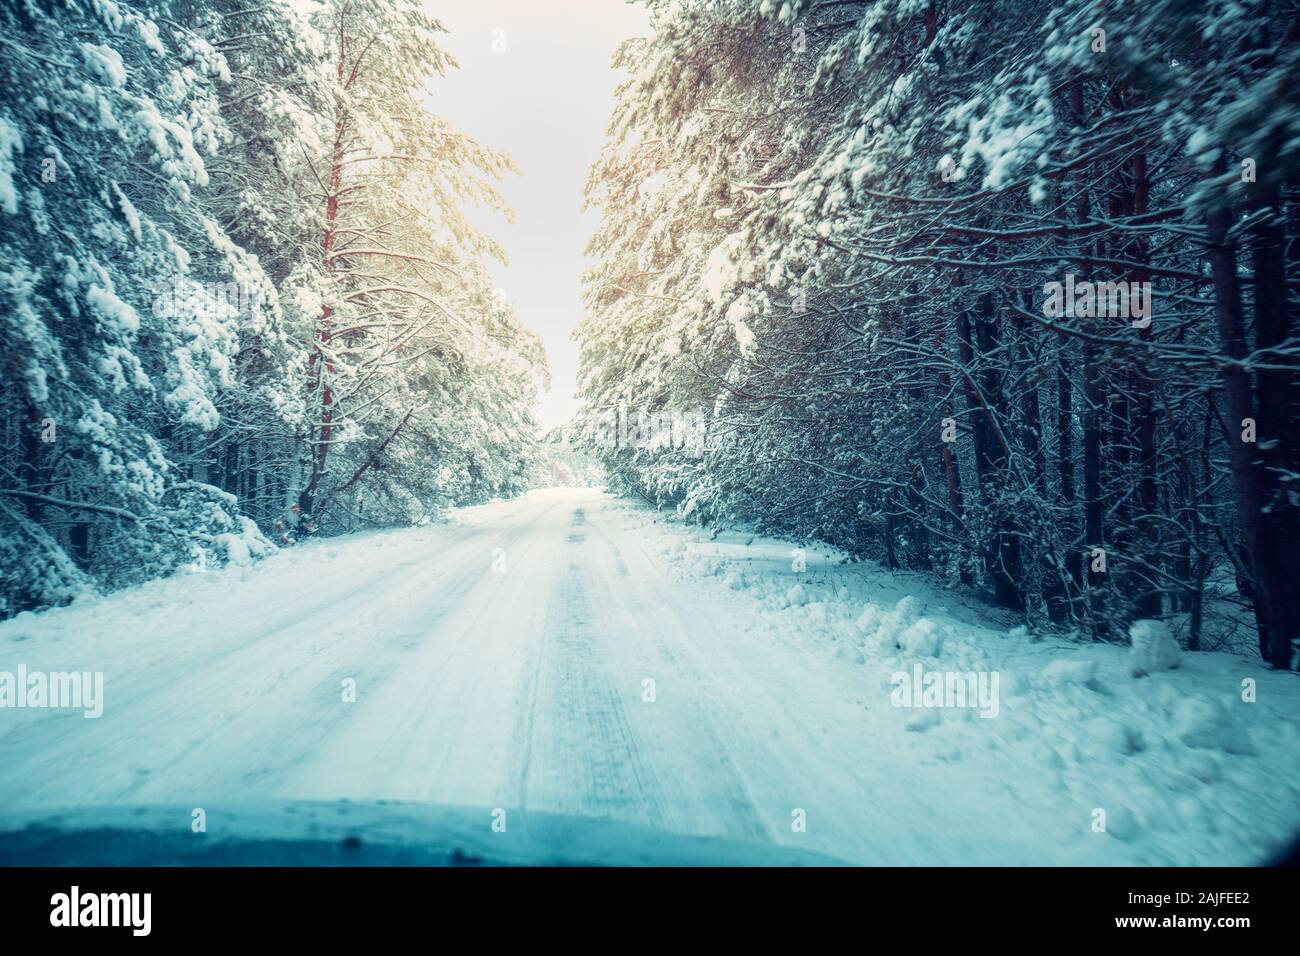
{"x":533,"y":655}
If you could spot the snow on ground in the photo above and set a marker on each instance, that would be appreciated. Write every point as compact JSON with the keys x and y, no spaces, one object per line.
{"x":1185,"y":769}
{"x":573,"y":654}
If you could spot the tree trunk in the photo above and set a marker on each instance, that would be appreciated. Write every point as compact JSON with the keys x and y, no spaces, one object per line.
{"x":1003,"y":556}
{"x":321,"y":366}
{"x":30,"y":465}
{"x":1267,"y":573}
{"x":1149,"y":599}
{"x":1277,"y":552}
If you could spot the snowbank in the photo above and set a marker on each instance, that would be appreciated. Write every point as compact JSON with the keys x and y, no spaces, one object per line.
{"x":1194,"y":758}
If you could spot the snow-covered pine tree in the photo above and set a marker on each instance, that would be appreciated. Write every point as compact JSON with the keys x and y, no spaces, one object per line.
{"x":191,"y":310}
{"x":401,"y":312}
{"x":833,"y":227}
{"x":102,"y":165}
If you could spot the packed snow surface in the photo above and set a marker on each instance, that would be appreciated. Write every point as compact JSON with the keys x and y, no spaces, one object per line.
{"x":574,"y":655}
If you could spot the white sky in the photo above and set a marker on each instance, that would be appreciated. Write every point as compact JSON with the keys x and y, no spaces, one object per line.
{"x":545,"y":100}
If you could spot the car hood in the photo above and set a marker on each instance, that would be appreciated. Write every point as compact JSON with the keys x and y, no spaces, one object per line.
{"x":370,"y":833}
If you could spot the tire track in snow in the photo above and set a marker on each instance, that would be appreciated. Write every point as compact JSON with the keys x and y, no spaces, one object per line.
{"x":433,"y":729}
{"x":579,"y":753}
{"x":713,"y":794}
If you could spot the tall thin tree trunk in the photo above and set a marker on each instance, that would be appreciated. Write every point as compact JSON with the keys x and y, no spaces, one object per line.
{"x":322,"y":366}
{"x":1149,"y":602}
{"x":1093,"y":397}
{"x":31,"y":462}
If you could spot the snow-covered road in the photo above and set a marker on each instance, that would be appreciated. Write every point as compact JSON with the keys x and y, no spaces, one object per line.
{"x":572,"y":653}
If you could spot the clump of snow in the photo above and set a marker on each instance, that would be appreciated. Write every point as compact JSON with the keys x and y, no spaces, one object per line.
{"x":11,"y":141}
{"x":237,"y":551}
{"x":796,"y":596}
{"x":818,"y":614}
{"x":1007,"y":130}
{"x":128,"y":211}
{"x":869,"y":620}
{"x":885,"y":630}
{"x":850,"y":653}
{"x":1153,"y":648}
{"x":105,"y":301}
{"x":924,"y":638}
{"x":104,"y":63}
{"x":1065,"y":671}
{"x":1204,"y":722}
{"x":736,"y":315}
{"x":721,"y":272}
{"x":1113,"y":736}
{"x":149,"y":34}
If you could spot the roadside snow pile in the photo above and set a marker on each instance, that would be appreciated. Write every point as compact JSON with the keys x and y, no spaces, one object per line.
{"x":924,"y":638}
{"x":1153,"y":648}
{"x":1205,"y":723}
{"x":1135,"y":754}
{"x":903,"y":629}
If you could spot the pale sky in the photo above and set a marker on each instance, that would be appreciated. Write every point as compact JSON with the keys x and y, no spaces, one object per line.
{"x":544,"y":99}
